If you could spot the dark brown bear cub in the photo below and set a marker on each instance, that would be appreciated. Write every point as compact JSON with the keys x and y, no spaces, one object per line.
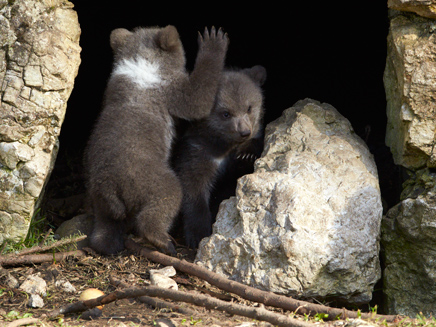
{"x":130,"y":185}
{"x":204,"y":150}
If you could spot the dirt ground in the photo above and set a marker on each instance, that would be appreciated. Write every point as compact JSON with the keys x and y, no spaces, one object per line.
{"x":93,"y":271}
{"x":64,"y":200}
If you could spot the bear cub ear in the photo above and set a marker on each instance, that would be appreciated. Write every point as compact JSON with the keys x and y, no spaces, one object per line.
{"x":118,"y":37}
{"x":168,"y":38}
{"x":256,"y":73}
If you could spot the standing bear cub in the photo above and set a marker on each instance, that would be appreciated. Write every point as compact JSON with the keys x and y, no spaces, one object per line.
{"x":130,"y":184}
{"x":208,"y":145}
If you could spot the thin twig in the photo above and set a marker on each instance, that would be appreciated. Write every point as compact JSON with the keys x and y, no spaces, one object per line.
{"x":45,"y":237}
{"x":39,"y":258}
{"x":42,"y":248}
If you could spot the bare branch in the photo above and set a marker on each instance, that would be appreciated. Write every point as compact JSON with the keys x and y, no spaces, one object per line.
{"x":22,"y":322}
{"x":42,"y":248}
{"x":38,"y":258}
{"x":208,"y":302}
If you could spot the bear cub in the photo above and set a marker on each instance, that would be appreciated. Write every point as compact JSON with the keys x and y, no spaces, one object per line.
{"x":209,"y":145}
{"x":131,"y":186}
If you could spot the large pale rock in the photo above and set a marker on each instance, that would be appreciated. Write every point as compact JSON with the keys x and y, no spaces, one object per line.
{"x":306,"y":223}
{"x":410,"y":83}
{"x":39,"y":59}
{"x":425,"y":8}
{"x":409,"y":249}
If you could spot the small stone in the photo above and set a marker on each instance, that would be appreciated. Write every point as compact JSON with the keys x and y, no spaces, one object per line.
{"x":11,"y":281}
{"x":34,"y":285}
{"x":65,"y":286}
{"x":164,"y":323}
{"x":7,"y":279}
{"x":35,"y":301}
{"x":159,"y":279}
{"x":168,"y":271}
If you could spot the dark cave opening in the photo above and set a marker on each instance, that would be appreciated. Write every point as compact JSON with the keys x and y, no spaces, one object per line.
{"x":312,"y":50}
{"x":323,"y":51}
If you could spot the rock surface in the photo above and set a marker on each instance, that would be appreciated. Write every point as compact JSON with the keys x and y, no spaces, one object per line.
{"x":425,"y":8}
{"x":39,"y":59}
{"x":410,"y":83}
{"x":409,"y":249}
{"x":306,"y":223}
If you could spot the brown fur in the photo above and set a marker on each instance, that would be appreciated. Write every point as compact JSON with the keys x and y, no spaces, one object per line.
{"x":204,"y":150}
{"x":130,"y":185}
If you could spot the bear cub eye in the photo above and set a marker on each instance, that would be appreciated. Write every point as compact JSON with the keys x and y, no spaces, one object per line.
{"x":226,"y":114}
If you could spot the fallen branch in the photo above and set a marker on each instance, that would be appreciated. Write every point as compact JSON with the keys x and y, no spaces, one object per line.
{"x":22,"y":322}
{"x":251,"y":293}
{"x":38,"y":258}
{"x":155,"y":303}
{"x":208,"y":302}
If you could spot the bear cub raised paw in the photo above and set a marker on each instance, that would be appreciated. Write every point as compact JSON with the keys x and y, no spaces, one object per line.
{"x":131,"y":186}
{"x":209,"y":145}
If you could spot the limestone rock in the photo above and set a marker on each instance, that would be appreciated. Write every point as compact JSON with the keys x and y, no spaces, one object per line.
{"x":409,"y":249}
{"x":306,"y":223}
{"x":39,"y":59}
{"x":425,"y":8}
{"x":34,"y":284}
{"x":161,"y":277}
{"x":65,"y":285}
{"x":410,"y":83}
{"x":35,"y":301}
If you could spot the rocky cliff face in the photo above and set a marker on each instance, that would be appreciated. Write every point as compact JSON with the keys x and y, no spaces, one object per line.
{"x":408,"y":230}
{"x":39,"y":59}
{"x":410,"y":83}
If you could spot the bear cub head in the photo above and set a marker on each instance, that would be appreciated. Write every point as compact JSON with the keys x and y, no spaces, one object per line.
{"x":155,"y":45}
{"x":238,"y":110}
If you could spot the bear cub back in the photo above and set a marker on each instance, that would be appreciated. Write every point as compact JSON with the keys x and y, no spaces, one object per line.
{"x":209,"y":146}
{"x":131,"y":187}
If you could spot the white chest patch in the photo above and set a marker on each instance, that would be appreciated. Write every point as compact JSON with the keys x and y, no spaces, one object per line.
{"x":218,"y":161}
{"x":139,"y":71}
